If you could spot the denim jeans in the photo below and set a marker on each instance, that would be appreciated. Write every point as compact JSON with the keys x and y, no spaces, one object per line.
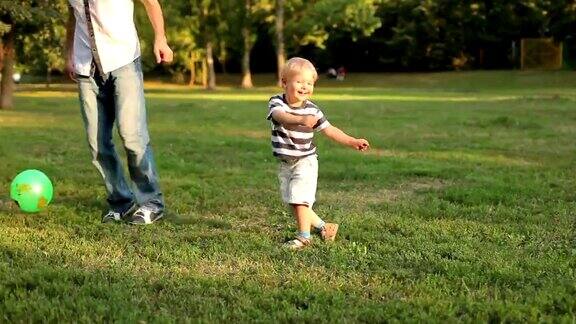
{"x":118,"y":98}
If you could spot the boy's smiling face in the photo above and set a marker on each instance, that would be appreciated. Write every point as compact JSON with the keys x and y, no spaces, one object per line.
{"x":299,"y":86}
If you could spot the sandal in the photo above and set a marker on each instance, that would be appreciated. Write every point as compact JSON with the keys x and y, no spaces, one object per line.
{"x":328,"y":232}
{"x":297,"y":243}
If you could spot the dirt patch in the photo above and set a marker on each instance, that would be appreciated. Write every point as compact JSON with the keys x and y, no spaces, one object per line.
{"x":424,"y":184}
{"x":399,"y":192}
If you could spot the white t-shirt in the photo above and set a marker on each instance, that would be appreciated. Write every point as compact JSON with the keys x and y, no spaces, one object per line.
{"x":114,"y":33}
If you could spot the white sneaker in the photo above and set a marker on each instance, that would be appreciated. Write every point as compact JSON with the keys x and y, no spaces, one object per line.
{"x":145,"y":215}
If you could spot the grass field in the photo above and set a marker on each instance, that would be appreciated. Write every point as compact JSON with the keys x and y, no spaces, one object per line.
{"x":463,"y":210}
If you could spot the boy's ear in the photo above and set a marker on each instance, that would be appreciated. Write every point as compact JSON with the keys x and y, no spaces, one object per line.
{"x":283,"y":81}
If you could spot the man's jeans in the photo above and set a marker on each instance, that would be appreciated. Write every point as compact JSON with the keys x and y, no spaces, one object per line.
{"x":118,"y":97}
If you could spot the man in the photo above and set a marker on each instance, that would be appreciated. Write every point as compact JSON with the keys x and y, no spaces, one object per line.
{"x":103,"y":57}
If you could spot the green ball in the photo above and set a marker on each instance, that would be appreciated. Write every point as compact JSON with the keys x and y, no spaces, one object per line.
{"x":32,"y":190}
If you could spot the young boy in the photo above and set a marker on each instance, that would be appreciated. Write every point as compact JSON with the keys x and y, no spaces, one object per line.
{"x":294,"y":119}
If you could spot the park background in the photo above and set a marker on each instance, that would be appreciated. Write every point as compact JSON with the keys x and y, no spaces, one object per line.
{"x":245,"y":37}
{"x":462,"y":211}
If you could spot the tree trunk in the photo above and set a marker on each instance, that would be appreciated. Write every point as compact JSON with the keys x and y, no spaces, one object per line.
{"x":280,"y":52}
{"x":192,"y":70}
{"x":210,"y":65}
{"x":223,"y":56}
{"x":7,"y":83}
{"x":204,"y":74}
{"x":48,"y":77}
{"x":246,"y":75}
{"x":1,"y":54}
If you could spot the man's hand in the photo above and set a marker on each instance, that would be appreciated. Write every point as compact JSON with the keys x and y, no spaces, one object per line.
{"x":163,"y":52}
{"x":309,"y":121}
{"x":360,"y":144}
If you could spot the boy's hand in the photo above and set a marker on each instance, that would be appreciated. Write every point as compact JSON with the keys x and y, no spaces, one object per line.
{"x":360,"y":144}
{"x":309,"y":121}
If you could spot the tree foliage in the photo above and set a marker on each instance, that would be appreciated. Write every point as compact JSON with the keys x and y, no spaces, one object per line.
{"x":17,"y":20}
{"x":364,"y":34}
{"x":434,"y":34}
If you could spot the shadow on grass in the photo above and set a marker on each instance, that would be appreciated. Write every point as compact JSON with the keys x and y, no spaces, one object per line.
{"x":131,"y":282}
{"x":194,"y":219}
{"x":8,"y":206}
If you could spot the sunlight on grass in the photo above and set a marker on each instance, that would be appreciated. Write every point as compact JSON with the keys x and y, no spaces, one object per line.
{"x":47,"y":94}
{"x":236,"y":95}
{"x":401,"y":192}
{"x":25,"y":120}
{"x":331,"y":97}
{"x":497,"y":159}
{"x":467,"y":216}
{"x":477,"y":158}
{"x":63,"y":246}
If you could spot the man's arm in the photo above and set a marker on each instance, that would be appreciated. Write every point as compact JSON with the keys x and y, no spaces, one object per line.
{"x":70,"y":29}
{"x":287,"y":119}
{"x":337,"y":135}
{"x":161,"y":49}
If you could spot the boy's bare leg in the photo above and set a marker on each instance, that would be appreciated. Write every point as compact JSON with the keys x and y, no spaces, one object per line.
{"x":303,"y":220}
{"x":315,"y":221}
{"x":306,"y":217}
{"x":302,"y":215}
{"x":327,"y":230}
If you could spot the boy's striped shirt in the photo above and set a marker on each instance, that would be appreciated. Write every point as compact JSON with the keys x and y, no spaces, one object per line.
{"x":294,"y":141}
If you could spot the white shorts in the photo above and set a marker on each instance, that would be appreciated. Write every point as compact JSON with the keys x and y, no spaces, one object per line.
{"x":298,"y":181}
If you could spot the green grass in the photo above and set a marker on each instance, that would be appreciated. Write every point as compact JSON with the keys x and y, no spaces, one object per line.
{"x":462,"y":211}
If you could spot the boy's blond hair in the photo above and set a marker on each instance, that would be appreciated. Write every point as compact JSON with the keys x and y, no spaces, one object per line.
{"x":296,"y":65}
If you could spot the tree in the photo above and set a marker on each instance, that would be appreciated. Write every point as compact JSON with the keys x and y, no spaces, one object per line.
{"x":43,"y":50}
{"x":18,"y":18}
{"x":205,"y":18}
{"x":312,"y":22}
{"x":243,"y":22}
{"x":7,"y":83}
{"x":562,"y":19}
{"x":447,"y":34}
{"x":280,"y":50}
{"x":191,"y":27}
{"x":182,"y":31}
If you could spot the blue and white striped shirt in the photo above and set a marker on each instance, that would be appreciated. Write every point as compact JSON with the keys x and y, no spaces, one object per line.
{"x":294,"y":141}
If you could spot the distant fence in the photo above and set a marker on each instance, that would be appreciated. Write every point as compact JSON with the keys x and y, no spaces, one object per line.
{"x":540,"y":54}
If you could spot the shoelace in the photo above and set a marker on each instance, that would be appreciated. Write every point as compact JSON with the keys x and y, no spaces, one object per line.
{"x":113,"y":215}
{"x":143,"y":211}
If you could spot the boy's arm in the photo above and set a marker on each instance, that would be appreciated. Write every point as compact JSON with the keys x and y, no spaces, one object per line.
{"x":161,"y":49}
{"x":287,"y":119}
{"x":337,"y":135}
{"x":69,"y":50}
